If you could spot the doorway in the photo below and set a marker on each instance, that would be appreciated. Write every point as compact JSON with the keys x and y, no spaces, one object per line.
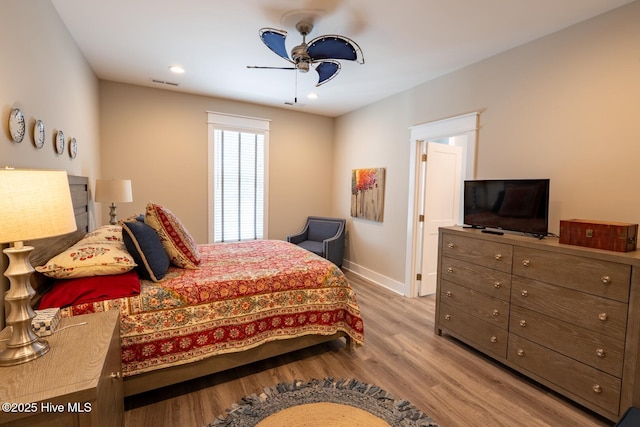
{"x":435,"y":190}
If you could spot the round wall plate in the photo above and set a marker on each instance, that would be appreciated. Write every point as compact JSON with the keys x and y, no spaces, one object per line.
{"x":38,"y":134}
{"x":73,"y":148}
{"x":16,"y":125}
{"x":60,"y":142}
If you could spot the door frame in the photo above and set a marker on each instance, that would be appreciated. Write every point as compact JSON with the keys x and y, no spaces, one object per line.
{"x":467,"y":125}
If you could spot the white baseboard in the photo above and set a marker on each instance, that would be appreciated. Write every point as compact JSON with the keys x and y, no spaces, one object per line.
{"x":378,"y":279}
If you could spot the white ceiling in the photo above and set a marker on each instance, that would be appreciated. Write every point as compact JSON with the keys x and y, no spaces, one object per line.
{"x":405,"y":42}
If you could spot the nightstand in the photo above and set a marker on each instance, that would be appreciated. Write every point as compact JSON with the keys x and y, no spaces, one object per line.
{"x":77,"y":383}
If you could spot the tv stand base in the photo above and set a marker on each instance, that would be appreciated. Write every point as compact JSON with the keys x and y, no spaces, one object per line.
{"x":497,"y":233}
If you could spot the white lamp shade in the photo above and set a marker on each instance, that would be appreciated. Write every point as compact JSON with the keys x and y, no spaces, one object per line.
{"x":34,"y":204}
{"x":113,"y":190}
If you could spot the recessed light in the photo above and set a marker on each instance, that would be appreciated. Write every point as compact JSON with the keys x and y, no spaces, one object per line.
{"x":176,"y":69}
{"x":312,"y":95}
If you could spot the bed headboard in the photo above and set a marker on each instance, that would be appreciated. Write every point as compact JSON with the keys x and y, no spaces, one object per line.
{"x":45,"y":249}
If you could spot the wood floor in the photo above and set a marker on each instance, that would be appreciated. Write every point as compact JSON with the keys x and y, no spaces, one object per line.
{"x":449,"y":381}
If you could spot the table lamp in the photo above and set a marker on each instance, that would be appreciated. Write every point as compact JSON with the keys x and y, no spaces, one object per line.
{"x":113,"y":190}
{"x":34,"y":204}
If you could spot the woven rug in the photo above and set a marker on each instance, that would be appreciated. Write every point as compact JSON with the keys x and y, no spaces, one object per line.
{"x":321,"y":403}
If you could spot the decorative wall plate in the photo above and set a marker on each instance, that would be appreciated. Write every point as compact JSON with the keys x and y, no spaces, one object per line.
{"x":60,"y":142}
{"x":38,"y":134}
{"x":16,"y":125}
{"x":73,"y":148}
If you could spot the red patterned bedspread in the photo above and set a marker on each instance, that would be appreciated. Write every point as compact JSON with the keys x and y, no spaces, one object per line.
{"x":244,"y":294}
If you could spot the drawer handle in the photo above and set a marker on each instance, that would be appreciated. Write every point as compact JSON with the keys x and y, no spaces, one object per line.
{"x":494,"y":339}
{"x":498,"y":257}
{"x":448,"y":293}
{"x":450,"y":245}
{"x":497,"y":285}
{"x":524,"y":293}
{"x":600,"y":352}
{"x":449,"y":269}
{"x":495,"y":313}
{"x":606,"y":280}
{"x":521,"y":353}
{"x":523,"y":323}
{"x":526,"y":262}
{"x":447,"y":317}
{"x":603,"y":317}
{"x":115,"y":375}
{"x":597,"y":389}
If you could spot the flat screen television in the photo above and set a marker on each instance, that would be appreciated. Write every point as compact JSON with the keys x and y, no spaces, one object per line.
{"x":508,"y":204}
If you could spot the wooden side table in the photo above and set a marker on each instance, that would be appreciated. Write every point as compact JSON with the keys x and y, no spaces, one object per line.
{"x":77,"y":383}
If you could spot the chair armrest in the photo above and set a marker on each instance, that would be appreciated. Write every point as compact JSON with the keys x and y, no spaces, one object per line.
{"x":334,"y":249}
{"x":300,"y":237}
{"x":297,"y":238}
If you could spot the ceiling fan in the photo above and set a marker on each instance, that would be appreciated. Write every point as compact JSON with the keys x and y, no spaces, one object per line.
{"x":322,"y":52}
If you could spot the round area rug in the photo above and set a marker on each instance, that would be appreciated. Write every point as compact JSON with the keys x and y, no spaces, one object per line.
{"x":321,"y":403}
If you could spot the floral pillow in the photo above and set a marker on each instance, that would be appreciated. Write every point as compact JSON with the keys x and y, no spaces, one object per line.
{"x":106,"y":233}
{"x":180,"y":246}
{"x":89,"y":258}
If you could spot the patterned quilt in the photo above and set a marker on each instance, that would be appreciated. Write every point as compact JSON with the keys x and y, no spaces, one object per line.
{"x":243,"y":295}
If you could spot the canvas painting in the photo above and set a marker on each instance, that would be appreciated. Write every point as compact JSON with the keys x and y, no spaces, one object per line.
{"x":367,"y":193}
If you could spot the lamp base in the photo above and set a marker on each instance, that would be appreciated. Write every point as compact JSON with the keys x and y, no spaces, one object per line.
{"x":113,"y":214}
{"x":11,"y":356}
{"x":23,"y":344}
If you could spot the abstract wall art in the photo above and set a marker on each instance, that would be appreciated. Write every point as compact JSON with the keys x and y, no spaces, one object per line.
{"x":367,"y":193}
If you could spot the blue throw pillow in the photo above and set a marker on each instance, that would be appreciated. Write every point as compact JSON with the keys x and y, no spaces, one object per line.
{"x":144,"y":245}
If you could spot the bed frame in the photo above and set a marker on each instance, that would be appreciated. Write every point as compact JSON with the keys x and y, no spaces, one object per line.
{"x":47,"y":248}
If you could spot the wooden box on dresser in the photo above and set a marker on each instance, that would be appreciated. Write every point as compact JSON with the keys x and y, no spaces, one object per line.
{"x":77,"y":383}
{"x":565,"y":316}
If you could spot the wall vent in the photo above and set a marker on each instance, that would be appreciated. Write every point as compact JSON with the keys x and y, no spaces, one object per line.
{"x":162,"y":82}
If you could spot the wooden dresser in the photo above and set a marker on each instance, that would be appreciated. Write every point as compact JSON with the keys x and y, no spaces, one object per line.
{"x":77,"y":383}
{"x":566,"y":316}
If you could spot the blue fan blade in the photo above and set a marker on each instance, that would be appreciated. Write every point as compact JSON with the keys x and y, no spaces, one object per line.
{"x":326,"y":71}
{"x":334,"y":47}
{"x":274,"y":39}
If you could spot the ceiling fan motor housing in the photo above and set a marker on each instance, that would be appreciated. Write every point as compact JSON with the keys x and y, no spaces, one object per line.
{"x":301,"y":57}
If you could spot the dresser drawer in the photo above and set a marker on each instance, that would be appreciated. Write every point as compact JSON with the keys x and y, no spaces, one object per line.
{"x":483,"y":279}
{"x":594,"y":349}
{"x":591,"y":312}
{"x":485,"y":336}
{"x":586,"y":382}
{"x":489,"y":309}
{"x":603,"y":278}
{"x":494,"y":255}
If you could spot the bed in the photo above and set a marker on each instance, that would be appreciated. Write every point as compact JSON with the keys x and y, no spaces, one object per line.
{"x":242,"y":303}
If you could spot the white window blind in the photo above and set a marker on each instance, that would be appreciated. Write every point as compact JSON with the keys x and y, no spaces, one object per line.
{"x":238,"y":170}
{"x":239,"y":186}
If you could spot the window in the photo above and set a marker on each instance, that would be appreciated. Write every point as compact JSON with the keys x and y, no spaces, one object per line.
{"x":238,"y":165}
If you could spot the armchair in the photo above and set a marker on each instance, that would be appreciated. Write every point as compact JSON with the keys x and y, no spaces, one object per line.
{"x":322,"y":236}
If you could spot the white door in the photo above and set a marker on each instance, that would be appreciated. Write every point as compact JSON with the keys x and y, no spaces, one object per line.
{"x":441,"y":205}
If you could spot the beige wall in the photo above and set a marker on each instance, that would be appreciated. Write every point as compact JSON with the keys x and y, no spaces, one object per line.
{"x":44,"y":73}
{"x":158,"y":139}
{"x":563,"y":107}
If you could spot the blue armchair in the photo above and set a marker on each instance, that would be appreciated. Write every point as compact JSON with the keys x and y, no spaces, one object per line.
{"x":322,"y":236}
